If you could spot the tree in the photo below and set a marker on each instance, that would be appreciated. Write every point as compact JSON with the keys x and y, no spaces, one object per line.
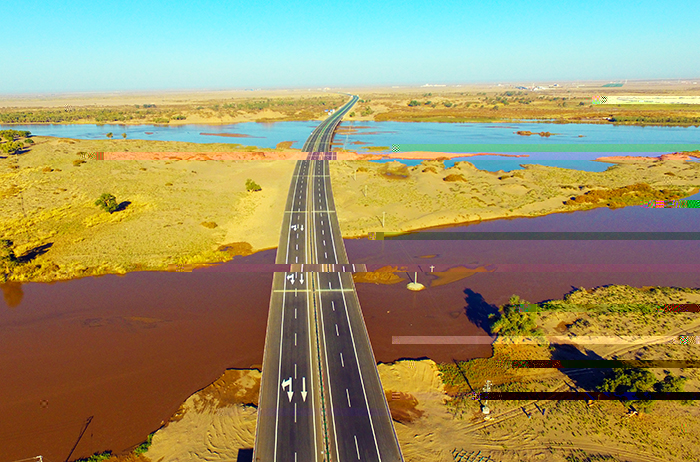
{"x":630,"y":380}
{"x":107,"y":202}
{"x":8,"y":260}
{"x":251,"y":185}
{"x":124,"y":135}
{"x":513,"y":321}
{"x":414,"y":103}
{"x":672,"y":384}
{"x":110,"y":135}
{"x":29,"y":141}
{"x":11,"y":147}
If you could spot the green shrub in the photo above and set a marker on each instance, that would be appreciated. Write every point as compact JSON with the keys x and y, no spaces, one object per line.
{"x":414,"y":103}
{"x":97,"y":457}
{"x":251,"y":185}
{"x":143,"y":447}
{"x":514,"y":320}
{"x":107,"y":202}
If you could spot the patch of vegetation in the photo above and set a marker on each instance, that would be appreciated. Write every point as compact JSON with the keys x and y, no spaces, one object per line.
{"x":414,"y":103}
{"x":454,"y":177}
{"x":513,"y":320}
{"x":624,"y":196}
{"x":97,"y":457}
{"x":615,"y":299}
{"x":107,"y":202}
{"x":251,"y":186}
{"x":626,"y":380}
{"x":8,"y":259}
{"x":143,"y":447}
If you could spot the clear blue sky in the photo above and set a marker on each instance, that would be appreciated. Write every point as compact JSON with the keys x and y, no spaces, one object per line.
{"x":107,"y":45}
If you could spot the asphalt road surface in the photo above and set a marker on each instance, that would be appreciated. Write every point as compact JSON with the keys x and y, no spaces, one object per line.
{"x":320,"y":397}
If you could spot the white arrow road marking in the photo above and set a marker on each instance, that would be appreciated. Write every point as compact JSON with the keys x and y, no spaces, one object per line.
{"x":294,"y":227}
{"x":286,"y":383}
{"x":303,"y":388}
{"x":301,"y":227}
{"x":290,"y":277}
{"x":301,"y":278}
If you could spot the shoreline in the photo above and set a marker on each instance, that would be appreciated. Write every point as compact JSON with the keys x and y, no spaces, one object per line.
{"x":229,"y":221}
{"x":217,"y":122}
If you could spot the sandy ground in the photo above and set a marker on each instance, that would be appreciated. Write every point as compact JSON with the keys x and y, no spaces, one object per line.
{"x":429,"y":427}
{"x":60,"y":100}
{"x":188,"y":211}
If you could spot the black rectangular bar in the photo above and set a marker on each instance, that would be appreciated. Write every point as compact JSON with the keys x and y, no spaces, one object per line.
{"x":542,"y":236}
{"x":570,"y":395}
{"x":604,"y":363}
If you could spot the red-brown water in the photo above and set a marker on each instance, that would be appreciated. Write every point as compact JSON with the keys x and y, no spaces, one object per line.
{"x":130,"y":349}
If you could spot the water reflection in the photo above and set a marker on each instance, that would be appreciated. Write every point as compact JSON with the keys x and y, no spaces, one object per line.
{"x":12,"y":293}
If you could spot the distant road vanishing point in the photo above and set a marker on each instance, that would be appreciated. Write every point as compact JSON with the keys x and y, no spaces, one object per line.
{"x":320,"y":395}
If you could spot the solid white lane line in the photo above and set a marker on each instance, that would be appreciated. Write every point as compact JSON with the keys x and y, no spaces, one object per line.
{"x":279,"y":371}
{"x":357,"y":448}
{"x":336,"y":331}
{"x":295,"y":371}
{"x":347,"y":393}
{"x":362,"y":380}
{"x":313,"y":404}
{"x":325,"y":353}
{"x":342,"y":363}
{"x":295,"y":412}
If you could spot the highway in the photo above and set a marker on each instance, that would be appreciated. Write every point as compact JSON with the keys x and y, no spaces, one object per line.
{"x":320,"y":397}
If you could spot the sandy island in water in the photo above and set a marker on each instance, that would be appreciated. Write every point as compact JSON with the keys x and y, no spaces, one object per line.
{"x":187,"y":212}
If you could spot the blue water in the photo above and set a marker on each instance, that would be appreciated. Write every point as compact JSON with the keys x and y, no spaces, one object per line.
{"x":263,"y":135}
{"x":267,"y":135}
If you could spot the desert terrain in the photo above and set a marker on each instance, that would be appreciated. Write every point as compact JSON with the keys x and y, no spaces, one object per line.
{"x":187,"y":211}
{"x":565,"y":102}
